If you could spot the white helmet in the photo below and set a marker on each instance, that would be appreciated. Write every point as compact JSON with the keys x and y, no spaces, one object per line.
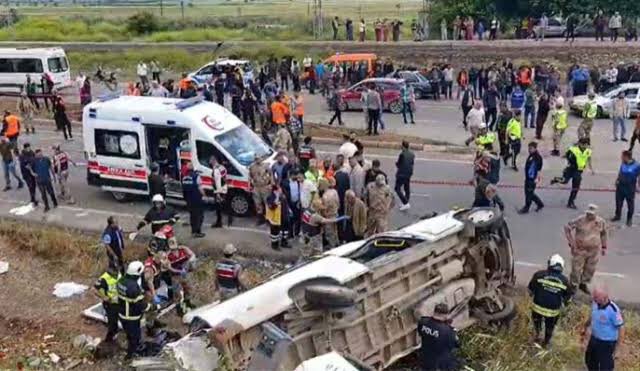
{"x":157,"y":198}
{"x":556,"y":261}
{"x":229,"y":249}
{"x":135,"y":268}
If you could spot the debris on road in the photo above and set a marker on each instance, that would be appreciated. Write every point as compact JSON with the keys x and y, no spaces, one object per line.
{"x":4,"y":267}
{"x":65,"y":290}
{"x":86,"y":342}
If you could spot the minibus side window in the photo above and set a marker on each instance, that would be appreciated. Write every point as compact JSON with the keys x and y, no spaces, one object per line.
{"x":117,"y":143}
{"x":28,"y":65}
{"x":204,"y":152}
{"x":6,"y":66}
{"x":58,"y":64}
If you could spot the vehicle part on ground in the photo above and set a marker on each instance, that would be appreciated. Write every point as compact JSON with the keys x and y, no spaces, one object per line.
{"x":463,"y":258}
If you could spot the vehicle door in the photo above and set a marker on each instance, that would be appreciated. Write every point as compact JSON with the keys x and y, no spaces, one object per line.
{"x":120,"y":157}
{"x":554,"y":28}
{"x":353,"y":96}
{"x":205,"y":73}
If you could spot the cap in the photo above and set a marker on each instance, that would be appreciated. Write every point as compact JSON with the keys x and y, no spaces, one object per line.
{"x":592,"y":208}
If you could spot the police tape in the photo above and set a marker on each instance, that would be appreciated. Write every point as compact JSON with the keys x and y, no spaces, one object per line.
{"x":508,"y":186}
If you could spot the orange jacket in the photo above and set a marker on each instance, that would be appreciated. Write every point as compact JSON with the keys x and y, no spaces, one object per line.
{"x":279,"y":113}
{"x":13,"y":126}
{"x":184,"y":84}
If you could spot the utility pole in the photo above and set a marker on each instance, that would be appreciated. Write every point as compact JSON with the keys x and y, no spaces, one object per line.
{"x":182,"y":8}
{"x":161,"y":9}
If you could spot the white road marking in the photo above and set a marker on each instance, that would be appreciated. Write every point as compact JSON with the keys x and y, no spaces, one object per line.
{"x":422,"y":159}
{"x":247,"y":229}
{"x":424,"y":195}
{"x":606,"y":274}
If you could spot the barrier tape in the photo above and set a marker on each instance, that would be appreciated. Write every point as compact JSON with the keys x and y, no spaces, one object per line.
{"x":507,"y":186}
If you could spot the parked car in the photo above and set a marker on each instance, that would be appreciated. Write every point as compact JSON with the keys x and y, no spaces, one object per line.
{"x":421,"y":85}
{"x":556,"y":28}
{"x":604,"y":100}
{"x":351,"y":98}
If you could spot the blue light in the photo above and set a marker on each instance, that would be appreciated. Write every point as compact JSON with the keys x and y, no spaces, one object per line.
{"x":171,"y":122}
{"x":107,"y":97}
{"x":190,"y":102}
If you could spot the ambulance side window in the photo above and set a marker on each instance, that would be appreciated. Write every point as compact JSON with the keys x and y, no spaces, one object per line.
{"x":117,"y":143}
{"x":205,"y":150}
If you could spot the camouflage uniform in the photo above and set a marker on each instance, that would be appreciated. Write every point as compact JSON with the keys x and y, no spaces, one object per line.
{"x":379,"y":201}
{"x":260,"y":176}
{"x":283,"y":140}
{"x":312,"y":230}
{"x":590,"y":236}
{"x":331,"y":203}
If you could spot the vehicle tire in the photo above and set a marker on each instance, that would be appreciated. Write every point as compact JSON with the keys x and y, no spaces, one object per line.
{"x":419,"y":94}
{"x":484,"y":217}
{"x":328,"y":296}
{"x":197,"y":324}
{"x":120,"y":196}
{"x":342,"y":106}
{"x":240,"y":203}
{"x":395,"y":107}
{"x":505,"y":315}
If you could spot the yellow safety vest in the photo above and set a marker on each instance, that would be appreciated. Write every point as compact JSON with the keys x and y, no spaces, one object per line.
{"x":514,"y":129}
{"x":560,"y":119}
{"x":112,"y":287}
{"x":485,"y":139}
{"x":590,"y":110}
{"x":545,"y":312}
{"x":582,"y":158}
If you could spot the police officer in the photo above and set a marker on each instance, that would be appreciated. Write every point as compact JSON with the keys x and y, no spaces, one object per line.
{"x":222,"y":202}
{"x":156,"y":182}
{"x":587,"y":238}
{"x":113,"y":241}
{"x":158,"y":216}
{"x":484,"y":137}
{"x":106,"y":288}
{"x":380,"y":200}
{"x":438,"y":340}
{"x":532,"y":177}
{"x":549,"y":289}
{"x":194,"y":195}
{"x":305,"y":153}
{"x":132,"y":306}
{"x":578,"y":158}
{"x":589,"y":113}
{"x":514,"y":138}
{"x":260,"y":178}
{"x":626,"y":184}
{"x":605,"y":331}
{"x":228,"y":274}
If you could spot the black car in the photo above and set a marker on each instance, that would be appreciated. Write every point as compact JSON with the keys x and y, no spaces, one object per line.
{"x":421,"y":85}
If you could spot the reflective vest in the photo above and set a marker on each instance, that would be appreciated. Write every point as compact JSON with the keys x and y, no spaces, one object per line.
{"x":279,"y":113}
{"x":488,"y":138}
{"x":308,"y":228}
{"x":273,"y":213}
{"x":313,"y":177}
{"x":560,"y":119}
{"x":177,"y":258}
{"x":582,"y":157}
{"x":60,"y":162}
{"x":514,"y":129}
{"x":130,"y":299}
{"x":149,"y":263}
{"x":13,"y":126}
{"x":112,"y":287}
{"x":227,"y":274}
{"x":590,"y":110}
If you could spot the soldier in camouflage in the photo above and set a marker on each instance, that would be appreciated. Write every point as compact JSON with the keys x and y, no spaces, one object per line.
{"x":331,"y":204}
{"x":260,"y":178}
{"x":312,"y":222}
{"x":379,"y":199}
{"x":587,"y":238}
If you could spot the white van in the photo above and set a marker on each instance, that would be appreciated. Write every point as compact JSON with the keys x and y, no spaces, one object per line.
{"x":124,"y":135}
{"x":206,"y":72}
{"x":17,"y":63}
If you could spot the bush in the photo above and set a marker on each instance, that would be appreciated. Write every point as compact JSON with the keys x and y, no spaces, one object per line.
{"x":143,"y":23}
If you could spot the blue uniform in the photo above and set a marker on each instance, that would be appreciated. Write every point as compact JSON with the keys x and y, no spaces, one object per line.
{"x":191,"y":184}
{"x":606,"y":321}
{"x":626,"y":188}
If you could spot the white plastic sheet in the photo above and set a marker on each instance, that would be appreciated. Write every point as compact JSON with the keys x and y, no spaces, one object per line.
{"x":68,"y":289}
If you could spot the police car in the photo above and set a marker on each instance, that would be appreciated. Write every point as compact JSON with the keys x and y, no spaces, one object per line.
{"x":124,"y":135}
{"x":217,"y":67}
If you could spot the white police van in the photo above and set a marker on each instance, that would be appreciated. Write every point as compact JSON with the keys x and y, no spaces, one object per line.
{"x":124,"y":135}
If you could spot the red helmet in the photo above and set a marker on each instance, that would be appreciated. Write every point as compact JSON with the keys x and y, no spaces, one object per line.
{"x":165,"y":233}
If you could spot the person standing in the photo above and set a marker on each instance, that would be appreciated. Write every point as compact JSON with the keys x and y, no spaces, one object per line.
{"x":475,"y":119}
{"x":404,"y":172}
{"x":357,"y":176}
{"x":466,"y":104}
{"x":380,"y":201}
{"x":335,"y":102}
{"x":549,"y":290}
{"x":132,"y":306}
{"x":348,"y":25}
{"x":491,"y":100}
{"x":229,"y":274}
{"x":220,"y":192}
{"x":599,"y":22}
{"x":438,"y":340}
{"x":560,"y":119}
{"x":156,"y":70}
{"x":194,"y":196}
{"x":61,"y":161}
{"x":587,"y":239}
{"x":260,"y":179}
{"x":571,"y":28}
{"x":373,"y":104}
{"x":443,"y":30}
{"x":11,"y":127}
{"x":626,"y":186}
{"x":43,"y":171}
{"x":27,"y":158}
{"x":292,"y":189}
{"x":276,"y":214}
{"x":543,"y":112}
{"x":619,"y":113}
{"x":362,"y":29}
{"x":532,"y":177}
{"x":7,"y":151}
{"x":113,"y":241}
{"x":60,"y":116}
{"x":331,"y":207}
{"x":356,"y":212}
{"x":335,"y":24}
{"x":284,"y":71}
{"x":142,"y":71}
{"x":604,"y":330}
{"x":493,"y":28}
{"x":529,"y":108}
{"x":578,"y":158}
{"x":615,"y":24}
{"x":636,"y":133}
{"x":543,"y":23}
{"x":447,"y":74}
{"x":514,"y":136}
{"x":408,"y":102}
{"x":106,"y":288}
{"x":26,"y":110}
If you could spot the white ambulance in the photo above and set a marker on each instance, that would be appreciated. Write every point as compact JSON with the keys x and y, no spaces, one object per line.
{"x":124,"y":135}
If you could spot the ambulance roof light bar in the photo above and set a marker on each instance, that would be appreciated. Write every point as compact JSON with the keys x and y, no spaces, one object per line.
{"x":107,"y":97}
{"x":189,"y":102}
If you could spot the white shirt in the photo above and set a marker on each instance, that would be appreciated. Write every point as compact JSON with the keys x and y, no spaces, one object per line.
{"x":612,"y":75}
{"x":307,"y":62}
{"x":475,"y":117}
{"x":448,"y":74}
{"x":348,"y":149}
{"x":160,"y":91}
{"x":615,"y":21}
{"x":544,"y":22}
{"x":307,"y":191}
{"x":142,"y":69}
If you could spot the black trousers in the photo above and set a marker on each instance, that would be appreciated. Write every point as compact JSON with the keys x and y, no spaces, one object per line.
{"x":514,"y":146}
{"x":134,"y":335}
{"x":600,"y":33}
{"x":575,"y":177}
{"x":284,"y":82}
{"x":336,"y":115}
{"x":490,"y":117}
{"x":530,"y":194}
{"x":220,"y":99}
{"x":249,"y":118}
{"x":111,"y":310}
{"x":31,"y":185}
{"x":599,"y":355}
{"x":374,"y":117}
{"x":634,"y":137}
{"x":465,"y":112}
{"x":196,"y":216}
{"x":223,"y":205}
{"x":403,"y":189}
{"x":625,"y":195}
{"x":296,"y":82}
{"x":295,"y":224}
{"x":549,"y":325}
{"x":47,"y":188}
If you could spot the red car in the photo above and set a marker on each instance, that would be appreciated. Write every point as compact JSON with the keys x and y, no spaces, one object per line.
{"x":351,"y":98}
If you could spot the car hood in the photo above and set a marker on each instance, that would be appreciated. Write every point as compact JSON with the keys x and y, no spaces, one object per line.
{"x":581,"y":100}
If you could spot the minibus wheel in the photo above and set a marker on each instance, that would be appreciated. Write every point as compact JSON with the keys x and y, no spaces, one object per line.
{"x":240,"y":203}
{"x":120,"y":196}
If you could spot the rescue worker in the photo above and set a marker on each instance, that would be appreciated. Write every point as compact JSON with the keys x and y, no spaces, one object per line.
{"x":106,"y":288}
{"x":179,"y":258}
{"x":312,"y":222}
{"x":604,"y":330}
{"x":313,"y":173}
{"x":380,"y":200}
{"x":156,"y":182}
{"x":27,"y":159}
{"x":550,"y":290}
{"x":194,"y":196}
{"x":587,"y":239}
{"x":158,"y":216}
{"x":626,"y":185}
{"x":589,"y":113}
{"x":11,"y":128}
{"x":61,"y":161}
{"x":132,"y":306}
{"x":306,"y":152}
{"x":578,"y":158}
{"x":276,"y":214}
{"x":222,"y":201}
{"x":331,"y":204}
{"x":484,"y":137}
{"x":438,"y":341}
{"x":113,"y":240}
{"x":155,"y":271}
{"x":279,"y":112}
{"x":514,"y":138}
{"x":560,"y":124}
{"x":260,"y":179}
{"x":229,"y":274}
{"x":283,"y":140}
{"x":486,"y":194}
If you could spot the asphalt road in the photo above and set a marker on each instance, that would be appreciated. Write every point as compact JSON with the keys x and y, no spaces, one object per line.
{"x":535,"y":236}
